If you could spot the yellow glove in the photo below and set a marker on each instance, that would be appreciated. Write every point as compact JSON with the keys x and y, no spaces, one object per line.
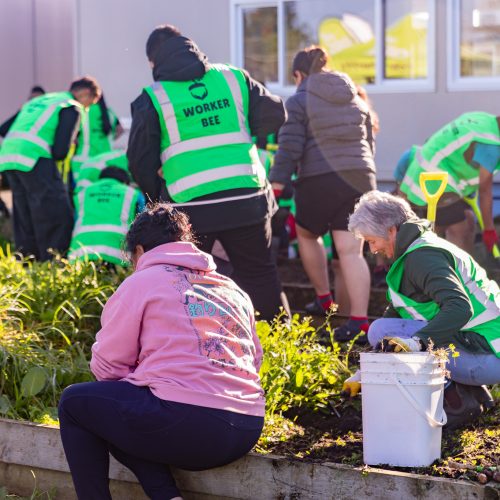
{"x":397,"y":344}
{"x":352,"y":385}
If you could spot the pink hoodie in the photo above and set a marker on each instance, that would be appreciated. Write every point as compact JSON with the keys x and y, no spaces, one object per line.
{"x":184,"y":330}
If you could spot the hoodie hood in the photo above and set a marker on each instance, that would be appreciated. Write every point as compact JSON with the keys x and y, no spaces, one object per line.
{"x":333,"y":87}
{"x":178,"y":60}
{"x":179,"y":253}
{"x":408,"y":232}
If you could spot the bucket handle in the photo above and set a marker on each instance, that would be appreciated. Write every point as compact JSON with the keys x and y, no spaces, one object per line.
{"x":432,"y":421}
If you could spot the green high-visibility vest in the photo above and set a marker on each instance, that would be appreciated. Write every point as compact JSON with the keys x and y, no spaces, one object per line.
{"x":444,"y":151}
{"x":266,"y":158}
{"x":105,"y":211}
{"x":92,"y":168}
{"x":92,"y":140}
{"x":32,"y":134}
{"x":483,"y":293}
{"x":206,"y":143}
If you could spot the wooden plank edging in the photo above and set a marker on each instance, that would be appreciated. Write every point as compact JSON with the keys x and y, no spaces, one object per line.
{"x":254,"y":476}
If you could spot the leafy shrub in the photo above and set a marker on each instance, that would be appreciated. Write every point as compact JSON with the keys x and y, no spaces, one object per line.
{"x":296,"y":371}
{"x":49,"y":315}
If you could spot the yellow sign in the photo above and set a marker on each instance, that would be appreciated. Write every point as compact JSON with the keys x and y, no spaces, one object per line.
{"x":351,"y":44}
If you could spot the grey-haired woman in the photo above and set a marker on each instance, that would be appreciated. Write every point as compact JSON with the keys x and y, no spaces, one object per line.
{"x":438,"y":294}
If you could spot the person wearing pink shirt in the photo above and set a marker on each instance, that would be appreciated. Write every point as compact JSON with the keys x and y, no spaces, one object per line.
{"x":177,"y":366}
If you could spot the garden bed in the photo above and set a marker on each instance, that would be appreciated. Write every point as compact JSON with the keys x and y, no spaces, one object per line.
{"x":49,"y":314}
{"x":28,"y":447}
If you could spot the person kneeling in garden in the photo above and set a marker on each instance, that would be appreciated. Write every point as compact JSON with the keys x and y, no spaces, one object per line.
{"x":105,"y":209}
{"x":177,"y":362}
{"x":437,"y":294}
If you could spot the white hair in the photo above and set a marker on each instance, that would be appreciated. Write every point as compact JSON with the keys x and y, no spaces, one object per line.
{"x":376,"y":212}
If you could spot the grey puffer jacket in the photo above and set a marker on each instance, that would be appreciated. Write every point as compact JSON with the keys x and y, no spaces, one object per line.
{"x":328,"y":129}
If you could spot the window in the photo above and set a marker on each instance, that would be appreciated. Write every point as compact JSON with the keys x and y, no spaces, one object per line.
{"x":474,"y":44}
{"x":383,"y":44}
{"x":261,"y":43}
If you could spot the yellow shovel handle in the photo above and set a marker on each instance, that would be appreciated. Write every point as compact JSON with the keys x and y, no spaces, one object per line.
{"x":432,"y":199}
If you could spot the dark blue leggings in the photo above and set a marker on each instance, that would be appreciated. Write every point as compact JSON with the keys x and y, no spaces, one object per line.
{"x":146,"y":434}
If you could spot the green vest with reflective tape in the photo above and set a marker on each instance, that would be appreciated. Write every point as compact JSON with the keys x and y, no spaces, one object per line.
{"x":92,"y":168}
{"x":91,"y":140}
{"x":444,"y":151}
{"x":105,"y":211}
{"x":32,"y":134}
{"x":206,"y":144}
{"x":483,"y":293}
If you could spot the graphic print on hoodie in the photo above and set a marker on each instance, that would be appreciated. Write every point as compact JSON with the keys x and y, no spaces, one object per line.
{"x":205,"y":296}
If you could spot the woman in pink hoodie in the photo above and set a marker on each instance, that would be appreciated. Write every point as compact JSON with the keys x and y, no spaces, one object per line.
{"x":177,"y":362}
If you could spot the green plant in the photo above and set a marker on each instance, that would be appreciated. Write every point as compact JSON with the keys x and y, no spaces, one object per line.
{"x":49,"y":315}
{"x":296,"y":371}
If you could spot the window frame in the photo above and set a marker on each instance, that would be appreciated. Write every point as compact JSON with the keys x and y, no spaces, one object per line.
{"x":454,"y":81}
{"x":381,"y":85}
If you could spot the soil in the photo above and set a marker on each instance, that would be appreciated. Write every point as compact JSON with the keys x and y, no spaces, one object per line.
{"x":337,"y":437}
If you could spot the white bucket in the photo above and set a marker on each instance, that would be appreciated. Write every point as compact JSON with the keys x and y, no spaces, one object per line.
{"x":402,"y":397}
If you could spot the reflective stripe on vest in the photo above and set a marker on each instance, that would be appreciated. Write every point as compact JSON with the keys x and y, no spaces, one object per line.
{"x":177,"y":146}
{"x":482,"y":292}
{"x":96,"y":228}
{"x":98,"y":250}
{"x":32,"y":137}
{"x":209,"y":176}
{"x":27,"y":137}
{"x":397,"y":301}
{"x":126,"y":206}
{"x":22,"y":160}
{"x":432,"y":165}
{"x":103,"y":160}
{"x":45,"y":117}
{"x":83,"y":154}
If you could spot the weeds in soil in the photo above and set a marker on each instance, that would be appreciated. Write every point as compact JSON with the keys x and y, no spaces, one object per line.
{"x":49,"y":315}
{"x":296,"y":371}
{"x":36,"y":494}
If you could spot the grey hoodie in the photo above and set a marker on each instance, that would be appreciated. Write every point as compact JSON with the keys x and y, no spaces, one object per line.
{"x":328,"y":129}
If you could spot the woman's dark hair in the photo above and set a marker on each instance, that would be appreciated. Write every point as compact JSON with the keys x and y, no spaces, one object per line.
{"x":37,"y":89}
{"x":159,"y":223}
{"x":87,"y":82}
{"x":310,"y":60}
{"x":106,"y":122}
{"x":158,"y":36}
{"x":116,"y":173}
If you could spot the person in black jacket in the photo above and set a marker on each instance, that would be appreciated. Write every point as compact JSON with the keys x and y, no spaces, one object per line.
{"x":239,"y":218}
{"x":43,"y":215}
{"x":35,"y":91}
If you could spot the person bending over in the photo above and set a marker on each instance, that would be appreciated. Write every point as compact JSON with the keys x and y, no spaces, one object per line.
{"x":438,"y":294}
{"x":177,"y":362}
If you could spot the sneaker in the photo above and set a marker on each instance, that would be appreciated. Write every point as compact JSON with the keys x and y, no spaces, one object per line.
{"x":315,"y":308}
{"x":460,"y":405}
{"x":483,"y":396}
{"x":345,"y":333}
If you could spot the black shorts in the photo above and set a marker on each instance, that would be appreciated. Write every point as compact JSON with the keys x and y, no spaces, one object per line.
{"x":324,"y":202}
{"x":450,"y":210}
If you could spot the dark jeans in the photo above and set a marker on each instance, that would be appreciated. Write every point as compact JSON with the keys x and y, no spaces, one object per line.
{"x":146,"y":434}
{"x":43,"y":217}
{"x":255,"y":271}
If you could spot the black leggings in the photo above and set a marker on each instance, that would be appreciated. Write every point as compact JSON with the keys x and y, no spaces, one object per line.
{"x":146,"y":434}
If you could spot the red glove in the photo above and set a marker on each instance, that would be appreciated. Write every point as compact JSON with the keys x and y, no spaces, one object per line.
{"x":490,"y":238}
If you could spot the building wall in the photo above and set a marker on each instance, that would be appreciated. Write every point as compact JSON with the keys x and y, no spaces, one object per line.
{"x":36,"y":48}
{"x":111,"y":45}
{"x":49,"y":42}
{"x":410,"y":118}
